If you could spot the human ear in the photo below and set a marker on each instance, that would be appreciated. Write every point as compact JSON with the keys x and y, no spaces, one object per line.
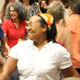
{"x":44,"y":28}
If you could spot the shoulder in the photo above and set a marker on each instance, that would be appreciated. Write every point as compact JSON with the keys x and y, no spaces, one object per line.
{"x":23,"y":44}
{"x":57,"y":47}
{"x":20,"y":46}
{"x":7,"y":21}
{"x":58,"y":51}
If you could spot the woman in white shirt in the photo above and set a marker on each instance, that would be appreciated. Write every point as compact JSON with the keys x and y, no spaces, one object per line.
{"x":39,"y":57}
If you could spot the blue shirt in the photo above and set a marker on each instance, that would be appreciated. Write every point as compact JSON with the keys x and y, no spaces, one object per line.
{"x":1,"y":34}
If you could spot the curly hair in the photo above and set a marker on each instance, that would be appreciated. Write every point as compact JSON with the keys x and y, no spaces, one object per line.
{"x":21,"y":10}
{"x":57,"y":9}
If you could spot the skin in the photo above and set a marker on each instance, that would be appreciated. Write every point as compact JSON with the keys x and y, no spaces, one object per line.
{"x":44,"y":5}
{"x":2,"y":61}
{"x":70,"y":11}
{"x":64,"y":36}
{"x":14,"y":14}
{"x":34,"y":33}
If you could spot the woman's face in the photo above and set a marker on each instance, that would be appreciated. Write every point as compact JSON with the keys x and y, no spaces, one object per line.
{"x":13,"y":13}
{"x":35,"y":31}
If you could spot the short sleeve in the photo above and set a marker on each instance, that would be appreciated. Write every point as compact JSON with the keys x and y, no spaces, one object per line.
{"x":1,"y":34}
{"x":14,"y":52}
{"x":65,"y":61}
{"x":4,"y":26}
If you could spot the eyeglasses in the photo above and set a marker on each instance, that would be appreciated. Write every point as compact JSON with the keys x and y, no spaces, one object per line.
{"x":31,"y":25}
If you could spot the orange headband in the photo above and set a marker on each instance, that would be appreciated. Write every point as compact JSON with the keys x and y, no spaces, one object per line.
{"x":48,"y":18}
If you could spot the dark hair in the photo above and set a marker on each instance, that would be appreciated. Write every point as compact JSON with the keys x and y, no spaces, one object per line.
{"x":75,"y":6}
{"x":51,"y":33}
{"x":21,"y":10}
{"x":30,"y":1}
{"x":21,"y":1}
{"x":66,"y":3}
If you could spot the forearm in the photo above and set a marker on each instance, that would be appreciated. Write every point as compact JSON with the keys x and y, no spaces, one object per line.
{"x":2,"y":60}
{"x":70,"y":72}
{"x":3,"y":76}
{"x":8,"y":68}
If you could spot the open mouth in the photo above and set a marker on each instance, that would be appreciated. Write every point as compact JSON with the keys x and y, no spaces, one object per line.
{"x":12,"y":15}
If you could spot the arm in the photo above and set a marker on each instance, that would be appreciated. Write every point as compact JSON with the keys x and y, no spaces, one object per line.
{"x":4,"y":46}
{"x":70,"y":72}
{"x":38,"y":8}
{"x":8,"y":68}
{"x":5,"y":29}
{"x":7,"y":47}
{"x":3,"y":43}
{"x":2,"y":60}
{"x":44,"y":4}
{"x":68,"y":41}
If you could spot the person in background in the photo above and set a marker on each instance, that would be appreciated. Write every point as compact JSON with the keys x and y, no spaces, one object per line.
{"x":2,"y":46}
{"x":64,"y":37}
{"x":43,"y":5}
{"x":73,"y":23}
{"x":32,"y":7}
{"x":14,"y":26}
{"x":66,"y":4}
{"x":5,"y":7}
{"x":39,"y":57}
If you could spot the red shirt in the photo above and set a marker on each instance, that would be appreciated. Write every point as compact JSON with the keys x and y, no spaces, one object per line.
{"x":13,"y":34}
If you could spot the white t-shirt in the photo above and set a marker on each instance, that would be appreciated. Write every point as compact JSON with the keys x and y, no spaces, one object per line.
{"x":40,"y":65}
